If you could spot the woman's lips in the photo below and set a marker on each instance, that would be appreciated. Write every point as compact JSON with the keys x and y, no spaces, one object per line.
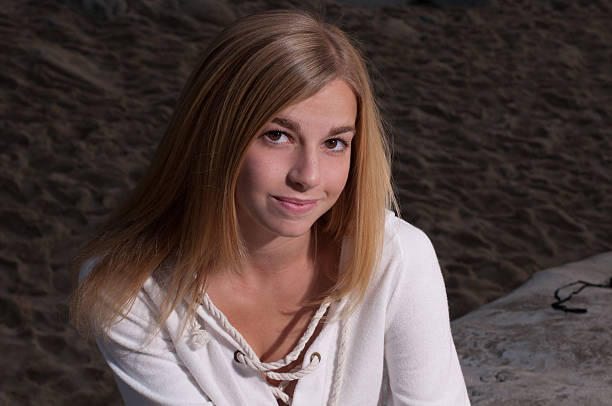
{"x":295,"y":206}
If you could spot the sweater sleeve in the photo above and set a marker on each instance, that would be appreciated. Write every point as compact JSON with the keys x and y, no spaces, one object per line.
{"x":146,"y":368}
{"x":420,"y":355}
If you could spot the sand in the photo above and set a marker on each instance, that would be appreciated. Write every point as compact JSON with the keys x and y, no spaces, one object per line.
{"x":500,"y":117}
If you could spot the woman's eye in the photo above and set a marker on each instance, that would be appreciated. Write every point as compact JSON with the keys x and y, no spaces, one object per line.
{"x":276,"y":137}
{"x":335,"y":144}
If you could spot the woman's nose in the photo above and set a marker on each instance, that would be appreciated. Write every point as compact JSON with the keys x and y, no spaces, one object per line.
{"x":305,"y":172}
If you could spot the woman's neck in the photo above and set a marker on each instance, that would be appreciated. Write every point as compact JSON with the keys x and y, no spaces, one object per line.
{"x":279,"y":254}
{"x":285,"y":265}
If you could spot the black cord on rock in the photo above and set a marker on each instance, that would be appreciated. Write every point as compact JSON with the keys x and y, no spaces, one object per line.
{"x":558,"y":305}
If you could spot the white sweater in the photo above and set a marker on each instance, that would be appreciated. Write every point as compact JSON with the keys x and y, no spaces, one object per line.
{"x":398,"y":345}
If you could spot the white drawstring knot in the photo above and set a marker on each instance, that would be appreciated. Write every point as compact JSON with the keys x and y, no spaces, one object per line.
{"x":199,"y":337}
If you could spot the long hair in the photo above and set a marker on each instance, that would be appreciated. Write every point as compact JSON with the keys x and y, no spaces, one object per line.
{"x":182,"y":215}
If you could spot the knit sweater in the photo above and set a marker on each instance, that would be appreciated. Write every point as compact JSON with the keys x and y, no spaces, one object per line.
{"x":396,"y":348}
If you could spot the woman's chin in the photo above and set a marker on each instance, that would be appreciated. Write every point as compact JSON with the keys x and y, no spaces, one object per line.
{"x":293,"y":231}
{"x":290,"y":228}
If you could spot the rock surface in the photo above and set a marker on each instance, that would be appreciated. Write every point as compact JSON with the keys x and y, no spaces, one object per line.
{"x":519,"y":351}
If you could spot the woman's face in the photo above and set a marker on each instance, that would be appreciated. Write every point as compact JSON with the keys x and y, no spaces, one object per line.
{"x":296,"y":168}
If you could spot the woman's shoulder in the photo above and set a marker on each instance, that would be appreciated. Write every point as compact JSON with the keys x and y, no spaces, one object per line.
{"x":407,"y":257}
{"x":404,"y":239}
{"x":148,"y":300}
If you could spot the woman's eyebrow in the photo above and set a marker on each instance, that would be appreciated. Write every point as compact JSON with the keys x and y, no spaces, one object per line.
{"x":289,"y":124}
{"x":340,"y":130}
{"x":295,"y":127}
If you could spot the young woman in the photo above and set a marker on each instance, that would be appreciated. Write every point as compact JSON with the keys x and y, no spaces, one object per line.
{"x":257,"y":262}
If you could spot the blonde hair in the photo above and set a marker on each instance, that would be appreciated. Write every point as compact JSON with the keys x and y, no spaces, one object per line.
{"x":183,"y":212}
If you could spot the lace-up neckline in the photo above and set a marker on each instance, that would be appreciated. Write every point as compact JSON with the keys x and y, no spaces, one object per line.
{"x":246,"y":356}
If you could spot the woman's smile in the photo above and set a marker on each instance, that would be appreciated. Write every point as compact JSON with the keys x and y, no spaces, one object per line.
{"x":294,"y":205}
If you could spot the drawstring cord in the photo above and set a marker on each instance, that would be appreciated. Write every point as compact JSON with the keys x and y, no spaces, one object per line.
{"x":341,"y":356}
{"x":200,"y":337}
{"x":247,"y":356}
{"x":297,"y":373}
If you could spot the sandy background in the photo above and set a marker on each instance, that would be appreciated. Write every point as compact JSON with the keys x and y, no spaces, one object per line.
{"x":501,"y":117}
